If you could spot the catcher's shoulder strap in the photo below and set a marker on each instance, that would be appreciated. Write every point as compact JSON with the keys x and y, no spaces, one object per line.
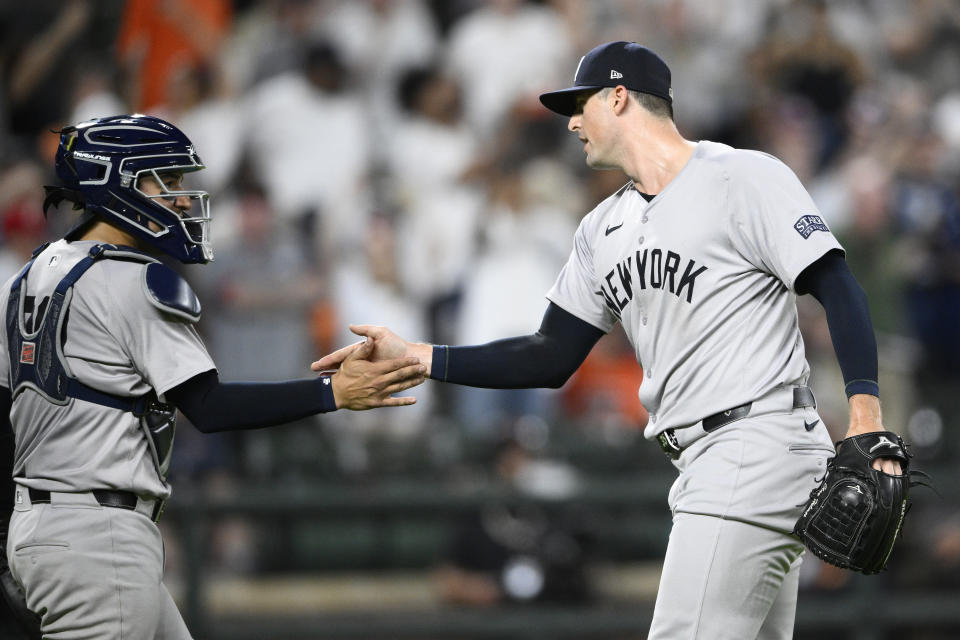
{"x":36,"y":351}
{"x":169,"y":292}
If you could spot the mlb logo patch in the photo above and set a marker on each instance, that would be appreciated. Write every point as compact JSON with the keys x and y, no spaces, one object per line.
{"x":808,"y":224}
{"x":27,"y":352}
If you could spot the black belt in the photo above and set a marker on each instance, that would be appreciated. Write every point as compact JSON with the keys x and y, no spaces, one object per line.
{"x":106,"y":498}
{"x":802,"y":397}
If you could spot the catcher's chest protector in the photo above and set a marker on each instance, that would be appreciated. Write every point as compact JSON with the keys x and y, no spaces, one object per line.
{"x":35,"y":338}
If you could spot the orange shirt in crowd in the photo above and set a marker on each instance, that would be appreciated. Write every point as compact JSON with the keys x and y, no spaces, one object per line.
{"x":158,"y":38}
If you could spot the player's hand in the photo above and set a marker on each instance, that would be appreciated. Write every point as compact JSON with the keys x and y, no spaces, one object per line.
{"x":865,"y":416}
{"x":889,"y":466}
{"x":361,"y":384}
{"x":386,"y":346}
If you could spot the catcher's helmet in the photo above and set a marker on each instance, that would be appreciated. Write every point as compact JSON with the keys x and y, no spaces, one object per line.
{"x":100,"y":163}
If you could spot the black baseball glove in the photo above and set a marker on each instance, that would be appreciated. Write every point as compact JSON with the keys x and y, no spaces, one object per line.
{"x":853,"y":517}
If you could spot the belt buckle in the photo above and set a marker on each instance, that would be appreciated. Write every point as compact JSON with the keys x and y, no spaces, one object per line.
{"x":669,"y":443}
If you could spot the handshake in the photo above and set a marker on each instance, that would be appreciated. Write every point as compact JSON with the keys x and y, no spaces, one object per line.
{"x":366,"y":374}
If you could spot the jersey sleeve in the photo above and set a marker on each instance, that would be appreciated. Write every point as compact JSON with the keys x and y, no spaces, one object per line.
{"x":165,"y":347}
{"x":775,"y":224}
{"x":577,"y":290}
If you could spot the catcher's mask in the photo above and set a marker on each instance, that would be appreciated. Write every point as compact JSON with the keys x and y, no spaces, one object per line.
{"x":101,"y":164}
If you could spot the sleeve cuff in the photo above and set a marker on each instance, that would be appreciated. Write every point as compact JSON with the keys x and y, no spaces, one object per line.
{"x":869,"y":387}
{"x":441,"y":359}
{"x":327,"y":402}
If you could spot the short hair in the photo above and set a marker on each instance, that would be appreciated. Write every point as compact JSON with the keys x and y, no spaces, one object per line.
{"x":655,"y":105}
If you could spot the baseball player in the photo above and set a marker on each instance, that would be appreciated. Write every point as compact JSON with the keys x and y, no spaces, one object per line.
{"x":98,"y":351}
{"x":700,"y":257}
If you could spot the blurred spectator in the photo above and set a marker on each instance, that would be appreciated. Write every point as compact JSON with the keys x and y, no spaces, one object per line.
{"x":922,"y":40}
{"x":502,"y":52}
{"x":518,"y":552}
{"x":269,"y":38}
{"x":603,"y":391}
{"x":309,"y":143}
{"x":928,"y":217}
{"x":21,"y":217}
{"x":38,"y":51}
{"x":379,"y":39}
{"x":525,"y":240}
{"x":94,"y":94}
{"x":803,"y":57}
{"x":211,"y":118}
{"x":264,"y":286}
{"x":366,"y":290}
{"x":432,"y":130}
{"x":158,"y":38}
{"x":439,"y":195}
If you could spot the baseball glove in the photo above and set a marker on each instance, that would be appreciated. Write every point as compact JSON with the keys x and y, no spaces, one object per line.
{"x":853,"y":517}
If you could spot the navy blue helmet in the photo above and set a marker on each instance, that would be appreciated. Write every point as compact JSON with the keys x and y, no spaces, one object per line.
{"x":102,"y":164}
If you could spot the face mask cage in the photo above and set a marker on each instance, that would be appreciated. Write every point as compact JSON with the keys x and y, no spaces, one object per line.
{"x":190,"y":208}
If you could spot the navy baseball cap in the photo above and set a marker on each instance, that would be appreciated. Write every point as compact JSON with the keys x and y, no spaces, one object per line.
{"x":609,"y":65}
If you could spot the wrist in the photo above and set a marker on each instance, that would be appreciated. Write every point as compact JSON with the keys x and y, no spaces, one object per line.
{"x":865,"y":414}
{"x":423,"y":352}
{"x":439,"y":360}
{"x":328,"y":397}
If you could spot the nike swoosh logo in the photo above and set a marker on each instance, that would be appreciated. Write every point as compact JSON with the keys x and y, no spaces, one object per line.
{"x":809,"y":426}
{"x":612,"y":229}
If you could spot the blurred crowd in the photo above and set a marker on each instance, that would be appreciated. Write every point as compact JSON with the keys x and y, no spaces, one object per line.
{"x":388,"y":162}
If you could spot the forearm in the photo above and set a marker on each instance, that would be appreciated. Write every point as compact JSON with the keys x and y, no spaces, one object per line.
{"x":212,"y":405}
{"x":544,"y":359}
{"x":851,"y":331}
{"x":514,"y":363}
{"x":830,"y":281}
{"x":854,"y":342}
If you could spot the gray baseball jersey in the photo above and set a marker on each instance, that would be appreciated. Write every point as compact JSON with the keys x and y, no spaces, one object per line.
{"x":117,"y":342}
{"x":702,"y":280}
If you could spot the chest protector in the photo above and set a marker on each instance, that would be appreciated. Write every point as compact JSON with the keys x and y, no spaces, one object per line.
{"x":37,"y":361}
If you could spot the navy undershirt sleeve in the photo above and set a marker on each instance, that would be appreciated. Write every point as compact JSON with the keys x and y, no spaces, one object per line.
{"x":212,"y":405}
{"x":830,"y":281}
{"x":546,"y":358}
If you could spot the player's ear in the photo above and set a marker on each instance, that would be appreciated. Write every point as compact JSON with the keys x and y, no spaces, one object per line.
{"x":619,"y":97}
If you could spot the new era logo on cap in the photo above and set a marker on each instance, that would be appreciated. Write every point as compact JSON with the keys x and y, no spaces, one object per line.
{"x":609,"y":65}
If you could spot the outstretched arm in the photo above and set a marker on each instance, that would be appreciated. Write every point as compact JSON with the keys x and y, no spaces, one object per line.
{"x":831,"y":282}
{"x":212,"y":405}
{"x":546,"y":358}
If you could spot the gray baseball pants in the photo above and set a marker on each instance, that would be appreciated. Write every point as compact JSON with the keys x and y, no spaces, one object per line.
{"x":731,"y":568}
{"x":91,"y":572}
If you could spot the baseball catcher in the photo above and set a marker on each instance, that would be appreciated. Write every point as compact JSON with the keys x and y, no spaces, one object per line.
{"x":853,"y":518}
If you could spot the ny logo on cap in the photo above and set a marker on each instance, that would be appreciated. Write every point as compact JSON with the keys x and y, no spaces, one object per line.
{"x":615,"y":75}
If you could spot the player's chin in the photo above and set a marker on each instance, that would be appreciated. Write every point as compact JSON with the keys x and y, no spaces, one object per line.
{"x":595,"y":162}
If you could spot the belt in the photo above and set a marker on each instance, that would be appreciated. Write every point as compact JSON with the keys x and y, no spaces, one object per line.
{"x":674,"y":441}
{"x":152,"y":507}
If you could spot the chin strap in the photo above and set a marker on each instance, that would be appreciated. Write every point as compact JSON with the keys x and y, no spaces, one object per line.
{"x":56,"y":195}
